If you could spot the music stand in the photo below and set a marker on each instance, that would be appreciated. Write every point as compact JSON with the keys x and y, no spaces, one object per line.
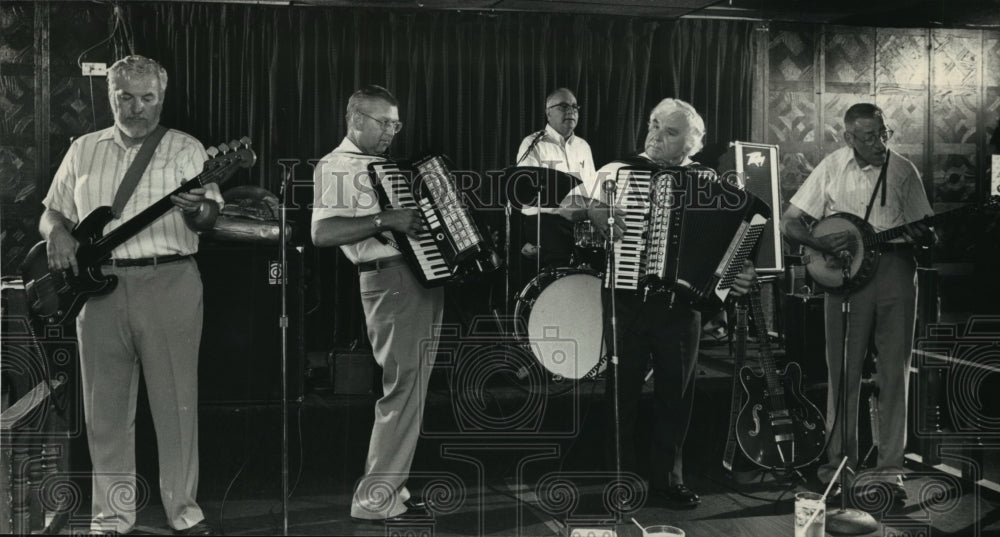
{"x":847,"y":520}
{"x":532,"y":186}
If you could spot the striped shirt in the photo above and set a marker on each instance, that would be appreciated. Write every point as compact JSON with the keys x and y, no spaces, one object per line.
{"x":839,"y":184}
{"x":93,"y":169}
{"x":571,"y":156}
{"x":342,"y":188}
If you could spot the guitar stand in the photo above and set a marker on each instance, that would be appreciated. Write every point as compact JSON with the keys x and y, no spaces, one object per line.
{"x":847,"y":520}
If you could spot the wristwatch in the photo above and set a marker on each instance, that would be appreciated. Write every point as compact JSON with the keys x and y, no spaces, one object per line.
{"x":377,"y":220}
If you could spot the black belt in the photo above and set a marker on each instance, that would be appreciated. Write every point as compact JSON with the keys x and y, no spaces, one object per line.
{"x":888,"y":247}
{"x":379,"y":264}
{"x":145,"y":261}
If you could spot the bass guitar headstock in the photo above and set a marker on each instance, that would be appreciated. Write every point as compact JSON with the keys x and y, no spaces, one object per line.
{"x":226,"y":158}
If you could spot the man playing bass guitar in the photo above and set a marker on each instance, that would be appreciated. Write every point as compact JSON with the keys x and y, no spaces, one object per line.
{"x":152,"y":321}
{"x":865,"y":180}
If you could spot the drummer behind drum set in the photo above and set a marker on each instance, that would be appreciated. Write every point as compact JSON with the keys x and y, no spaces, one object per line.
{"x":555,"y":147}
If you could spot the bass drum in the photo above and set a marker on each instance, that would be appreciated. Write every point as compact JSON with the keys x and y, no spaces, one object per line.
{"x":559,"y":318}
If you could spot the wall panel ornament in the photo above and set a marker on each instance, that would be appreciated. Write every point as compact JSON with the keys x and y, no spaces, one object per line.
{"x":18,"y":153}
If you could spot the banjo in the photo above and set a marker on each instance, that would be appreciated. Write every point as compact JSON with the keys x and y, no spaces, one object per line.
{"x":827,"y":270}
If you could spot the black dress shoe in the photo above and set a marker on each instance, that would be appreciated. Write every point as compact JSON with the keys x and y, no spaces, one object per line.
{"x":679,"y":496}
{"x":408,"y":517}
{"x":200,"y":528}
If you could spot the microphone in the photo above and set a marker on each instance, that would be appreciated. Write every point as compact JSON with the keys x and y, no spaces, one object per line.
{"x":845,"y":255}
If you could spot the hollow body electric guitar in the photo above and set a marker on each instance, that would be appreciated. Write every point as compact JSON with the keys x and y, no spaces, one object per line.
{"x":55,"y":297}
{"x":778,"y":428}
{"x":827,"y":270}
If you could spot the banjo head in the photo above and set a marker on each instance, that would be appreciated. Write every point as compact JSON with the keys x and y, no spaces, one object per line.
{"x":827,"y":270}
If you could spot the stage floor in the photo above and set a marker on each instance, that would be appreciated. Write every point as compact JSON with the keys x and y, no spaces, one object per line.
{"x":502,"y":460}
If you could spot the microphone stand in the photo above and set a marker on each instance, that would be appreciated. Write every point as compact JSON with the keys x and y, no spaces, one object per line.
{"x":610,"y":187}
{"x":847,"y":520}
{"x":283,"y":323}
{"x":506,"y":249}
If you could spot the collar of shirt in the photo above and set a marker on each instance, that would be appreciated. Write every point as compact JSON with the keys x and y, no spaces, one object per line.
{"x":113,"y":133}
{"x":347,"y":146}
{"x":853,"y":159}
{"x":556,"y":137}
{"x":686,"y":162}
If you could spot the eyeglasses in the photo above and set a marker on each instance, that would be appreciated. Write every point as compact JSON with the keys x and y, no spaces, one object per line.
{"x":883,"y":135}
{"x":566,"y":107}
{"x":386,"y":124}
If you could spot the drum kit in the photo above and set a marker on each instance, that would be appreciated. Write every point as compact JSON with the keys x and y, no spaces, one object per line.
{"x":558,"y":315}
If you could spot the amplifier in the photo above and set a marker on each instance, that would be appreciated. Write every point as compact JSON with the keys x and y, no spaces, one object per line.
{"x":354,"y":372}
{"x":805,"y":335}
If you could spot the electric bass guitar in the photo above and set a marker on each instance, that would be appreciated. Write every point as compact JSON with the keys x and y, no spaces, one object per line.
{"x":827,"y":270}
{"x":55,"y":297}
{"x":778,"y":427}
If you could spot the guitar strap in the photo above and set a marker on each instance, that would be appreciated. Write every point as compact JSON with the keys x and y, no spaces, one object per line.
{"x":136,"y":169}
{"x":881,"y":182}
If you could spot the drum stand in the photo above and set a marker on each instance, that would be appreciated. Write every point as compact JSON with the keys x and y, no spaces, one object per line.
{"x":847,"y":520}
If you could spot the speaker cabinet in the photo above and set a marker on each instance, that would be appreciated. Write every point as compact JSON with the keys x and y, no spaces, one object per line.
{"x":756,"y":167}
{"x":240,"y":357}
{"x":805,"y":335}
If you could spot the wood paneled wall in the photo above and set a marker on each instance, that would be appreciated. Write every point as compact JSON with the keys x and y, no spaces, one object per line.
{"x":939,"y":88}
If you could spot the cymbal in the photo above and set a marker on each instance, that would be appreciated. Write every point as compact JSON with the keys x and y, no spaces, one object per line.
{"x":527,"y":185}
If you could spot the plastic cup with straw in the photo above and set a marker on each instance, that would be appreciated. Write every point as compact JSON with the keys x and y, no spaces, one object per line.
{"x":825,"y":493}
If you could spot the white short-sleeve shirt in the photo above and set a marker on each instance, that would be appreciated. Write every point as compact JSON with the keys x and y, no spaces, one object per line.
{"x":342,"y":188}
{"x":839,"y":184}
{"x":570,"y":156}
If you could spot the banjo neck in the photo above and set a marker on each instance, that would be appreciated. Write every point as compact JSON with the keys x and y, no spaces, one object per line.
{"x":875,"y":239}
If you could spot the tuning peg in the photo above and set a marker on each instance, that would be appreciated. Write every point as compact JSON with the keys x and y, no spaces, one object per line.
{"x":234,"y":144}
{"x":212,"y":152}
{"x":223,"y":148}
{"x":246,"y":142}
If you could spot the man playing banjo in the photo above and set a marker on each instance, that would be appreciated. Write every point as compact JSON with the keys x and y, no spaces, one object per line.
{"x":866,"y":180}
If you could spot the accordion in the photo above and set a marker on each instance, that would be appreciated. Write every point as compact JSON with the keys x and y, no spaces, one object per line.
{"x":687,"y":232}
{"x":450,"y":244}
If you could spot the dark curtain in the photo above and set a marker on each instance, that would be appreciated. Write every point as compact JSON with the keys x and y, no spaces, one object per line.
{"x":470,"y":86}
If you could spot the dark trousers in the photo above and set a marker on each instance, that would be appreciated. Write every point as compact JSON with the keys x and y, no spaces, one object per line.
{"x":652,"y":330}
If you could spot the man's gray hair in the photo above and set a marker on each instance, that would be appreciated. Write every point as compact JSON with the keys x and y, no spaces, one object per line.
{"x":366,"y":93}
{"x":555,"y":93}
{"x":696,"y":130}
{"x":133,"y":67}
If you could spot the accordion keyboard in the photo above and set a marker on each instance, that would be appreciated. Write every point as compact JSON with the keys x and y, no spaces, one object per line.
{"x":629,"y":261}
{"x":426,"y":252}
